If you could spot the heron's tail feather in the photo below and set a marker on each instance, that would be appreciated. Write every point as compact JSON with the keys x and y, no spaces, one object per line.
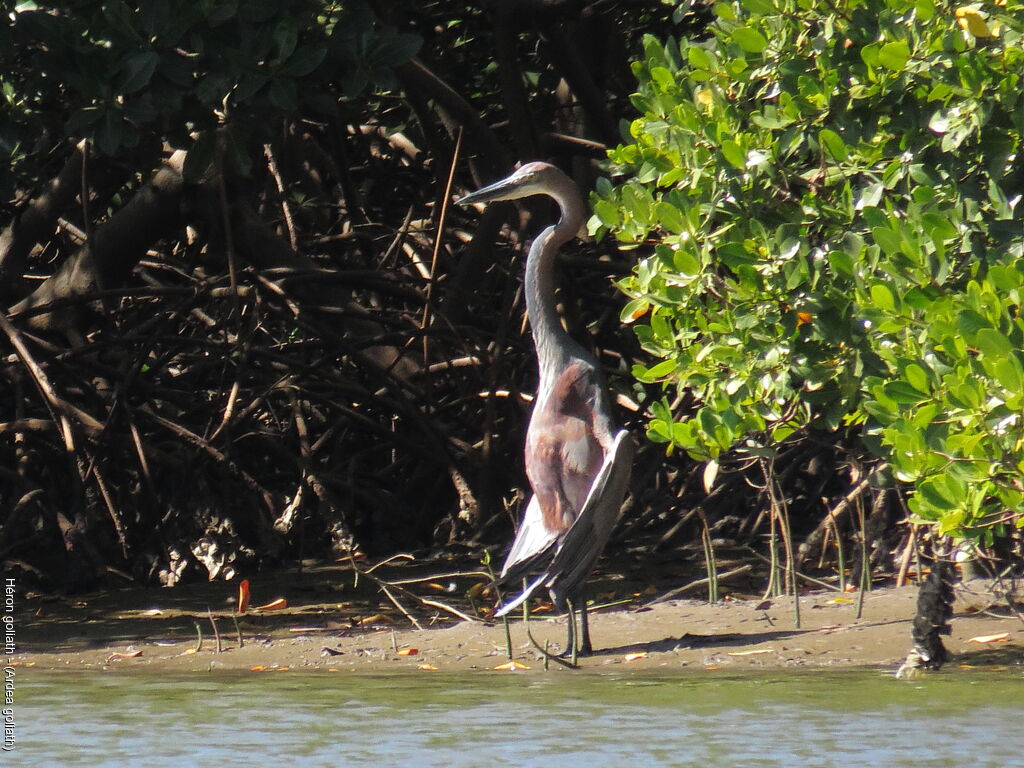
{"x":533,"y":543}
{"x":522,"y":597}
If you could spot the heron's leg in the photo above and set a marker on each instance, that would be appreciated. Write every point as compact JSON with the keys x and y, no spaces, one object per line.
{"x":570,"y":625}
{"x":526,"y":610}
{"x":586,"y":648}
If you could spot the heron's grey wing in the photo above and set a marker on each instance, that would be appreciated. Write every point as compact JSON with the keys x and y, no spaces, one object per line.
{"x":582,"y":543}
{"x":522,"y":597}
{"x":532,"y":540}
{"x":532,"y":548}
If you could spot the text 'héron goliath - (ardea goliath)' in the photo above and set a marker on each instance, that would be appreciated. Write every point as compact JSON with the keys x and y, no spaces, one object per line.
{"x":577,"y":462}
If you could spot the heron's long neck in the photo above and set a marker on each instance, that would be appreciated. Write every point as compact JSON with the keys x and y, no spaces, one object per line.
{"x":554,"y":345}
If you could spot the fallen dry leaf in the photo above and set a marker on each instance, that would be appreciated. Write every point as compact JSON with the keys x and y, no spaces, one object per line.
{"x":839,"y":601}
{"x":258,"y":668}
{"x":712,"y":667}
{"x":243,"y":596}
{"x":190,"y":651}
{"x":511,"y":666}
{"x":274,"y":605}
{"x":477,"y":590}
{"x":999,"y":637}
{"x":408,"y":651}
{"x":754,"y":652}
{"x":377,"y":618}
{"x":635,"y":656}
{"x":428,"y":667}
{"x":119,"y":655}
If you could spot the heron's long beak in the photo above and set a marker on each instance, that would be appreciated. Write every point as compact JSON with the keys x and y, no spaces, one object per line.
{"x":499,"y":190}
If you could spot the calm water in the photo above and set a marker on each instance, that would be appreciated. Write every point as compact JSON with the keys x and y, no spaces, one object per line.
{"x":563,"y":720}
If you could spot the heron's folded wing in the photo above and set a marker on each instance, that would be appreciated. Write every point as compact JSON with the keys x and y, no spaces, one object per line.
{"x":582,"y":543}
{"x":531,"y":549}
{"x":522,"y":597}
{"x":533,"y":540}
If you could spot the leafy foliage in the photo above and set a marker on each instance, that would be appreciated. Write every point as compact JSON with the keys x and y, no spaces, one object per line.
{"x":835,"y":191}
{"x":174,"y":70}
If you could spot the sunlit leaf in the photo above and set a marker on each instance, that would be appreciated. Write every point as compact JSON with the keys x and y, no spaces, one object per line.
{"x":970,"y":18}
{"x":999,"y":637}
{"x":511,"y":666}
{"x":834,"y":144}
{"x":274,"y":605}
{"x":750,"y":40}
{"x":124,"y":655}
{"x":243,"y":596}
{"x":894,"y":55}
{"x":377,"y":618}
{"x":710,"y":474}
{"x":477,"y":590}
{"x":734,"y":153}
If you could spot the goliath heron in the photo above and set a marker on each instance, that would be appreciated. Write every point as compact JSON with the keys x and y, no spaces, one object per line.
{"x":577,"y":462}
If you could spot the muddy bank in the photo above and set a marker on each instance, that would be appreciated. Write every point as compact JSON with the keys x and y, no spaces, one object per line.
{"x":337,"y":622}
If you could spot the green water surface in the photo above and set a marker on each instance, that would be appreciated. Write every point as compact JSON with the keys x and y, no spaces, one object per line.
{"x":487,"y":718}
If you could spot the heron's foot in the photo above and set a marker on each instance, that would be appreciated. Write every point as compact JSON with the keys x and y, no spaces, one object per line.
{"x":586,"y":650}
{"x":559,"y":658}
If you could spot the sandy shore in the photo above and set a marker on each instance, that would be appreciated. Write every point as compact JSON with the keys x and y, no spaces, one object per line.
{"x":335,"y":622}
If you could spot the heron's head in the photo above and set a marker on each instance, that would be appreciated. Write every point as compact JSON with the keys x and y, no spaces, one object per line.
{"x":530,"y":179}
